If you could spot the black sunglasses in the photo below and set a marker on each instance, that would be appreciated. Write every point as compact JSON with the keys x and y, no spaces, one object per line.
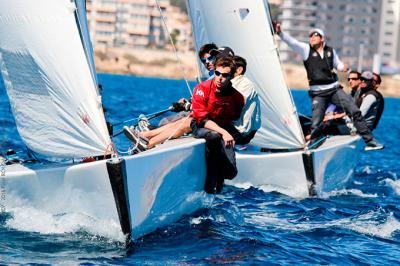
{"x":207,"y":59}
{"x":352,"y":79}
{"x":225,"y":75}
{"x":315,"y":34}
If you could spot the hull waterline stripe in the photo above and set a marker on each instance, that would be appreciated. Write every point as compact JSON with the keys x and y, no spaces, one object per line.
{"x":116,"y":169}
{"x":308,"y":161}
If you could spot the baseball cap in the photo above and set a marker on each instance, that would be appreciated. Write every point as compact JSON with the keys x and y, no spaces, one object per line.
{"x":222,"y":51}
{"x":367,"y":75}
{"x":319,"y":31}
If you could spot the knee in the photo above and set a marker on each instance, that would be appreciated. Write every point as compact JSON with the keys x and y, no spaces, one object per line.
{"x":213,"y":138}
{"x":356,"y":114}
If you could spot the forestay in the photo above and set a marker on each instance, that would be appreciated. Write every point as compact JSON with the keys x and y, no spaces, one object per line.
{"x":245,"y":26}
{"x":48,"y":77}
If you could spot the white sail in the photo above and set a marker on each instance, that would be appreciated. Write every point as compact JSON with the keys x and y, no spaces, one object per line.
{"x":48,"y":78}
{"x":245,"y":26}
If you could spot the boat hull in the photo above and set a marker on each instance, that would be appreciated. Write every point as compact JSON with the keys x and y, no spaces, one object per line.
{"x":331,"y":167}
{"x":163,"y":184}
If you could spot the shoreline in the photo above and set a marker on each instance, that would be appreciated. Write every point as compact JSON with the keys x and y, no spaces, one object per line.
{"x":163,"y":64}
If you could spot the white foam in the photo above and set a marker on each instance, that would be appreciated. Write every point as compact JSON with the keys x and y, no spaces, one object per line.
{"x":199,"y":220}
{"x":369,"y":223}
{"x":369,"y":226}
{"x":25,"y":217}
{"x":355,"y":192}
{"x":394,"y":184}
{"x":298,"y":192}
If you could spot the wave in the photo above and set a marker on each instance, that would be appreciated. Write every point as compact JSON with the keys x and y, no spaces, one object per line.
{"x":25,"y":217}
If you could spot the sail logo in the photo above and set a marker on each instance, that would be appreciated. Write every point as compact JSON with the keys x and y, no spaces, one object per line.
{"x":200,"y":93}
{"x":85,"y":118}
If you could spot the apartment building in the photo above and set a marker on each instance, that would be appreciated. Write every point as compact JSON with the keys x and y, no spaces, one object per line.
{"x":132,"y":23}
{"x":389,"y":37}
{"x":357,"y":29}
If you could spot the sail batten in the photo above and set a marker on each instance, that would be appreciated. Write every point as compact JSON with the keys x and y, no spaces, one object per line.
{"x":49,"y":79}
{"x":245,"y":26}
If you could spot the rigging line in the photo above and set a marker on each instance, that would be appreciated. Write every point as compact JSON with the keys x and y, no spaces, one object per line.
{"x":174,"y":48}
{"x":178,"y":128}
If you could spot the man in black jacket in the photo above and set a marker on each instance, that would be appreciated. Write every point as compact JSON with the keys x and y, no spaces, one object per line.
{"x":320,"y":61}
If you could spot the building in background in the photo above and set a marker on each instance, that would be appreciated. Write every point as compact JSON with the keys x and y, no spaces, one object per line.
{"x":136,"y":24}
{"x":357,"y":29}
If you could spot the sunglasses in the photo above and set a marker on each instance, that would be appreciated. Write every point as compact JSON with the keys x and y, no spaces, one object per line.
{"x":352,"y":79}
{"x":207,"y":59}
{"x":225,"y":75}
{"x":315,"y":34}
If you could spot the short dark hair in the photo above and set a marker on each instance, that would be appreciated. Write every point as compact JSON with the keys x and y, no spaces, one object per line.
{"x":226,"y":61}
{"x":378,"y":78}
{"x":240,"y":62}
{"x":206,"y":48}
{"x":355,"y":72}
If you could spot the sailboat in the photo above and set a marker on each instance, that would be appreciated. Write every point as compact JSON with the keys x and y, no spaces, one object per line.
{"x":278,"y":157}
{"x":47,"y":65}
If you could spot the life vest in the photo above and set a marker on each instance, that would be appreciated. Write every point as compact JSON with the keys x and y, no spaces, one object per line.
{"x":376,"y":109}
{"x":320,"y":70}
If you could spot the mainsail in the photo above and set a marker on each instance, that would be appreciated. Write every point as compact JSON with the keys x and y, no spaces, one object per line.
{"x":245,"y":26}
{"x":50,"y":78}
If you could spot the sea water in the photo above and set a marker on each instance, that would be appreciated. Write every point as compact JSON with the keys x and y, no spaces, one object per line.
{"x":357,"y":225}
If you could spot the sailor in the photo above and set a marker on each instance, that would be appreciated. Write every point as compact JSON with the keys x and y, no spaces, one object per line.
{"x":242,"y":130}
{"x":207,"y":56}
{"x":216,"y":104}
{"x":354,"y":81}
{"x":320,"y":61}
{"x":371,"y":101}
{"x":378,"y":80}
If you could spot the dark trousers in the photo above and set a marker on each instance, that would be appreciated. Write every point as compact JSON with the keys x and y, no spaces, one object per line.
{"x":239,"y":138}
{"x":221,"y":161}
{"x":320,"y":101}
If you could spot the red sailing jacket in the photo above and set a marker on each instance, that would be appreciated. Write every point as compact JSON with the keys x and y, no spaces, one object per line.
{"x":207,"y":104}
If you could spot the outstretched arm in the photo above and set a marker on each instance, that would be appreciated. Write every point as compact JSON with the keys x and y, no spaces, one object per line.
{"x":338,"y":64}
{"x":301,"y":48}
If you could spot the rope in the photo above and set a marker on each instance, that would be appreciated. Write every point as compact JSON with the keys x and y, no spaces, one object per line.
{"x":174,"y":48}
{"x":113,"y":150}
{"x":149,"y":116}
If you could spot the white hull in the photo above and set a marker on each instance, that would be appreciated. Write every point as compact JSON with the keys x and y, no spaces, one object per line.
{"x":333,"y":165}
{"x":167,"y":182}
{"x":163,"y":184}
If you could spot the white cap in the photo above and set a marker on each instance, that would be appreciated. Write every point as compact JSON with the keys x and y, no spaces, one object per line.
{"x":319,"y":31}
{"x":368,"y":75}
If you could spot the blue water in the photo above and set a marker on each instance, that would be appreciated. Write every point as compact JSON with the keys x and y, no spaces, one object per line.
{"x":358,"y":225}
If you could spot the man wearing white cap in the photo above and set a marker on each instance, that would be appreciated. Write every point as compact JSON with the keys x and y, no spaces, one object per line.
{"x":370,"y":102}
{"x":320,"y":62}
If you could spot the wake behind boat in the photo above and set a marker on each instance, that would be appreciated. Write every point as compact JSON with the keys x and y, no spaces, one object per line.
{"x":279,"y":156}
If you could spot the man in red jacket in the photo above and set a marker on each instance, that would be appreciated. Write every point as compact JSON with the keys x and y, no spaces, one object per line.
{"x":216,"y":104}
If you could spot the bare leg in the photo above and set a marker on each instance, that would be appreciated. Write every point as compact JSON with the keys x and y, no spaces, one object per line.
{"x":176,"y":130}
{"x":154,"y":132}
